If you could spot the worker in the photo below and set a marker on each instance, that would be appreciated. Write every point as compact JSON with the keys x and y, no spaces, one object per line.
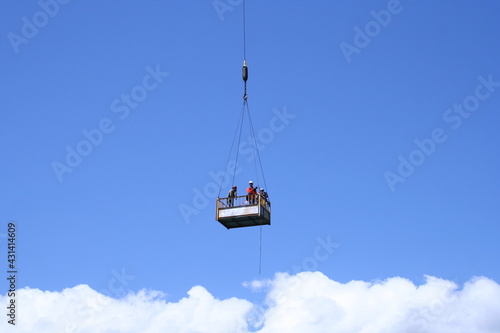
{"x":231,"y":196}
{"x":263,"y":194}
{"x":251,"y":194}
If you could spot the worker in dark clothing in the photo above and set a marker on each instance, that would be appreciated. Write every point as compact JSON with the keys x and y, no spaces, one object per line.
{"x":251,"y":194}
{"x":263,"y":194}
{"x":231,"y":196}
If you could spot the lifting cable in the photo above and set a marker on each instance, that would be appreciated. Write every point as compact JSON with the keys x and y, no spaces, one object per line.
{"x":244,"y":70}
{"x":255,"y":150}
{"x":239,"y":126}
{"x":239,"y":130}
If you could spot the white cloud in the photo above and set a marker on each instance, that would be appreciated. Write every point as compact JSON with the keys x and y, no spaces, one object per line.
{"x":83,"y":310}
{"x":308,"y":302}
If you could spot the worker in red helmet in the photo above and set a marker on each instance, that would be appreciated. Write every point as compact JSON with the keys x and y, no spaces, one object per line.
{"x":251,"y":194}
{"x":231,"y":196}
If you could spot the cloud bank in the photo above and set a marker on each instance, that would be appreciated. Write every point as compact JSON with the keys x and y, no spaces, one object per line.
{"x":307,"y":302}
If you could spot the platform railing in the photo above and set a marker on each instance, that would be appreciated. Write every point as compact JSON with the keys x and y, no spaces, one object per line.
{"x":243,"y":200}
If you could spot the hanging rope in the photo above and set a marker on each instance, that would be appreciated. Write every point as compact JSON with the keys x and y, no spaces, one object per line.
{"x":245,"y":68}
{"x":242,"y":118}
{"x":260,"y":250}
{"x":244,"y":33}
{"x":256,"y":150}
{"x":256,"y":155}
{"x":237,"y":132}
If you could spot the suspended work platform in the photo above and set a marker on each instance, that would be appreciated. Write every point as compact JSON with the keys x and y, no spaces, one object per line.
{"x":243,"y":211}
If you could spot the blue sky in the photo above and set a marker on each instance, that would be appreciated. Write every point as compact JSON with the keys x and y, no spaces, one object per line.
{"x":378,"y":123}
